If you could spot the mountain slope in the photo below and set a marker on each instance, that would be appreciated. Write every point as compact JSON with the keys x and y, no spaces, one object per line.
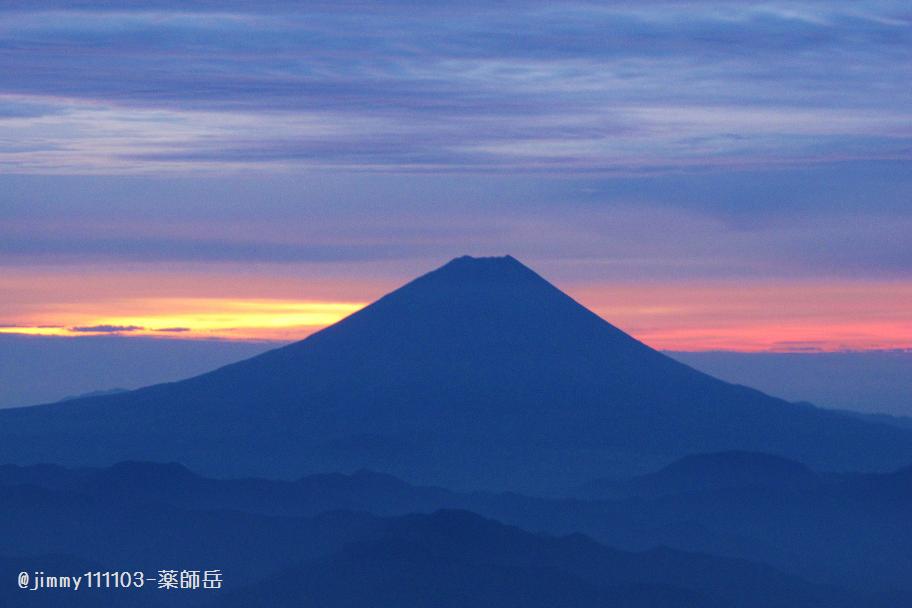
{"x":479,"y":374}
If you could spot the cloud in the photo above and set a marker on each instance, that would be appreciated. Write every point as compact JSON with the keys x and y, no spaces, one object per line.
{"x":164,"y":249}
{"x":106,"y":329}
{"x":320,"y":133}
{"x":484,"y":87}
{"x":618,"y":231}
{"x":172,"y":329}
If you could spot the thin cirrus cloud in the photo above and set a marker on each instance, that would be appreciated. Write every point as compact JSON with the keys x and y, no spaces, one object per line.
{"x":524,"y":87}
{"x":105,"y":329}
{"x":584,"y":240}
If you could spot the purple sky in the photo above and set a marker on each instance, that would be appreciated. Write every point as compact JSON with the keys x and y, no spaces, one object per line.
{"x":735,"y":139}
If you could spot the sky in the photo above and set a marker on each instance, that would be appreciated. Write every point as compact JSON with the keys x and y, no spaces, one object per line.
{"x":705,"y":175}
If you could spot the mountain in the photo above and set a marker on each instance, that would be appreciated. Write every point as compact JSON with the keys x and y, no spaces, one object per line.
{"x":343,"y":558}
{"x":785,"y":521}
{"x":119,"y":533}
{"x":175,"y":485}
{"x":903,"y":422}
{"x":480,"y":374}
{"x":99,"y":393}
{"x":701,"y":472}
{"x":458,"y":559}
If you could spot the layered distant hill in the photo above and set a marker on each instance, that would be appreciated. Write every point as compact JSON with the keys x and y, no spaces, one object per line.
{"x":370,"y":539}
{"x":480,"y":374}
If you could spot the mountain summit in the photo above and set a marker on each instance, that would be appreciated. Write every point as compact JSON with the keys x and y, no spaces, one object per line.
{"x":480,"y":374}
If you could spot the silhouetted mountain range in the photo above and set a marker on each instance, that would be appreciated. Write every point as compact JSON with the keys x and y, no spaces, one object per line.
{"x":477,"y":375}
{"x":458,"y":559}
{"x":904,"y":422}
{"x":702,"y":472}
{"x":787,"y":523}
{"x":127,"y":517}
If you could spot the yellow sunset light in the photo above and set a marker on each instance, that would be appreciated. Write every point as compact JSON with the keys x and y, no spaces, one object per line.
{"x":193,"y":317}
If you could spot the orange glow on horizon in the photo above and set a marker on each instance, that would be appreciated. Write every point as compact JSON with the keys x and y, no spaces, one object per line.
{"x":760,"y":317}
{"x":720,"y":315}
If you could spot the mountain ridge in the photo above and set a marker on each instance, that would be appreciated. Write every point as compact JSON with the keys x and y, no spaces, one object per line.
{"x":480,"y":374}
{"x":783,"y":525}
